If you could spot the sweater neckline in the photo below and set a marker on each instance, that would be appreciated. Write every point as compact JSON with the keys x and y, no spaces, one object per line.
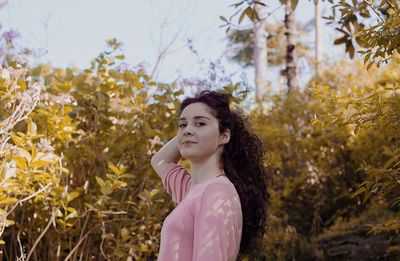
{"x":205,"y":182}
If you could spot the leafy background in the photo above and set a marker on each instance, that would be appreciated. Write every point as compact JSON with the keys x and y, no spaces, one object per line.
{"x":76,"y":181}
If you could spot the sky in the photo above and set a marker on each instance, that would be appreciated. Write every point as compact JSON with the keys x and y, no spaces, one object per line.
{"x":72,"y":33}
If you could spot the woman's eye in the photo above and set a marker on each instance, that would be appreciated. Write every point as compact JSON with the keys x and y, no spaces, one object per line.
{"x":182,"y":125}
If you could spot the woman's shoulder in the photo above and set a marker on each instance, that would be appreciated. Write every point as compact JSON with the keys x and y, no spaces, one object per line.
{"x":213,"y":188}
{"x":213,"y":194}
{"x":219,"y":188}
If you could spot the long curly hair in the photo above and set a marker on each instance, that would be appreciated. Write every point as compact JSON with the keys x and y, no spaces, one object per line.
{"x":242,"y":160}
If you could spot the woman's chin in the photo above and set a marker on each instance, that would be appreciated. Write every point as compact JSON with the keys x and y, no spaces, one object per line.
{"x":189,"y":156}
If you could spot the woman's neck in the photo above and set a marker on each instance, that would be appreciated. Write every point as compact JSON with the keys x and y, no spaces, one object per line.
{"x":202,"y":171}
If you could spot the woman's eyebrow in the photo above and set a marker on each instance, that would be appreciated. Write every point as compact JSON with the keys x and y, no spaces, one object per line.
{"x":195,"y":117}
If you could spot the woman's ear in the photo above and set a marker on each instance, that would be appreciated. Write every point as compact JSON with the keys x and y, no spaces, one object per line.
{"x":225,"y":137}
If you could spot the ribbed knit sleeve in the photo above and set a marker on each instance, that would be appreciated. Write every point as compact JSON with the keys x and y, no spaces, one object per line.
{"x":176,"y":181}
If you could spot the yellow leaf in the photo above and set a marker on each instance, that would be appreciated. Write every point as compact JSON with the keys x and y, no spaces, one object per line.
{"x":39,"y":163}
{"x":72,"y":196}
{"x":154,"y":192}
{"x":125,"y":234}
{"x":326,"y":88}
{"x":144,"y":248}
{"x":71,"y":209}
{"x":7,"y":201}
{"x":121,"y":184}
{"x":20,"y":161}
{"x":59,"y":188}
{"x":100,"y":181}
{"x":67,"y":109}
{"x":17,"y":140}
{"x":44,"y":112}
{"x":114,"y":169}
{"x":106,"y":190}
{"x":72,"y":213}
{"x":2,"y":242}
{"x":59,"y":213}
{"x":38,"y":136}
{"x":34,"y":151}
{"x":22,"y":84}
{"x":25,"y":154}
{"x":315,"y":122}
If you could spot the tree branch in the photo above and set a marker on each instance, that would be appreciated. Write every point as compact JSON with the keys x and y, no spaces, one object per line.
{"x":41,"y":235}
{"x":373,"y":9}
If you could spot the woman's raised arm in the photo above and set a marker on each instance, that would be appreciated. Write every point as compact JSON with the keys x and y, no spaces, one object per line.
{"x":168,"y":153}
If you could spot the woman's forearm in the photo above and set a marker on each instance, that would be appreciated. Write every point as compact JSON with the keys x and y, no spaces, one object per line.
{"x":168,"y":153}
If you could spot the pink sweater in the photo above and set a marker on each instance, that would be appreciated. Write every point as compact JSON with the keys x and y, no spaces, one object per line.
{"x":206,"y":225}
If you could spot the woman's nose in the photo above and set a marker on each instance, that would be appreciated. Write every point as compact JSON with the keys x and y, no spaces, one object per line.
{"x":187,"y":131}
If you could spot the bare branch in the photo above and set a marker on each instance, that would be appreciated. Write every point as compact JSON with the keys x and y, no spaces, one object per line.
{"x":41,"y":235}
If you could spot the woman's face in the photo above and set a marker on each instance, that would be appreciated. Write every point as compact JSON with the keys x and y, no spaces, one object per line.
{"x":198,"y":135}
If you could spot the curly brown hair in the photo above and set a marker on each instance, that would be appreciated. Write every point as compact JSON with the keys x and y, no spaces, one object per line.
{"x":242,"y":159}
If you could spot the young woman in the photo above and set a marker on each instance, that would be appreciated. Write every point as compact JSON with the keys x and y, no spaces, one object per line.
{"x":222,"y":202}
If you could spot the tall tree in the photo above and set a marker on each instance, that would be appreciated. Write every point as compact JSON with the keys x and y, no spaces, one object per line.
{"x":317,"y":4}
{"x":260,"y":56}
{"x":291,"y":70}
{"x":241,"y":44}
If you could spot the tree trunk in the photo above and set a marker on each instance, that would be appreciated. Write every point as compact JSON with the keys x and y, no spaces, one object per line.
{"x":260,"y":56}
{"x":317,"y":36}
{"x":291,"y":58}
